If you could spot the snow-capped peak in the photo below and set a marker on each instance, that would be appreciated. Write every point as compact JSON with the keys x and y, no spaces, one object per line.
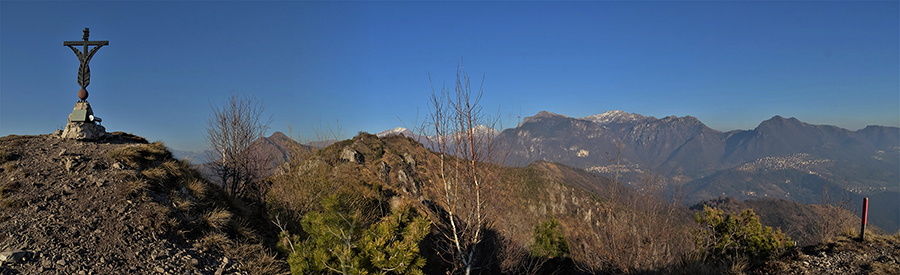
{"x":614,"y":116}
{"x":484,"y":130}
{"x":395,"y":131}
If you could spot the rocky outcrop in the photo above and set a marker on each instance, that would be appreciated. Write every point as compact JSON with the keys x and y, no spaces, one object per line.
{"x":352,"y":156}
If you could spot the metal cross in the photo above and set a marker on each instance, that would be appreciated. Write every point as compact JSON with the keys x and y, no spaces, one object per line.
{"x":84,"y":72}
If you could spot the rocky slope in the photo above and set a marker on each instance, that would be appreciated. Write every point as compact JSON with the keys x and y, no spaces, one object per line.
{"x":66,"y":208}
{"x":844,"y":255}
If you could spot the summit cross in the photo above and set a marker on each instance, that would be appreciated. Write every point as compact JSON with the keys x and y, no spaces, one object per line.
{"x":84,"y":72}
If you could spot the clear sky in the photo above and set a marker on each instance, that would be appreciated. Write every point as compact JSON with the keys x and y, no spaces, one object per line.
{"x":366,"y":64}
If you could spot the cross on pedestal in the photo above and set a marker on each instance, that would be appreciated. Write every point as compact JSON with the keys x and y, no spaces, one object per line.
{"x":84,"y":72}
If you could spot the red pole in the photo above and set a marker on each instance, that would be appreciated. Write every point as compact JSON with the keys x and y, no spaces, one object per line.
{"x":862,"y":231}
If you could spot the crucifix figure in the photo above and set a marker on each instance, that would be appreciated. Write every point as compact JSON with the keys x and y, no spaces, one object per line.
{"x":84,"y":72}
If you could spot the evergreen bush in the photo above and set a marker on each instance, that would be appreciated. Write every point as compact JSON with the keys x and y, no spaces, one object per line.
{"x":549,"y":240}
{"x":731,"y":236}
{"x":337,"y":243}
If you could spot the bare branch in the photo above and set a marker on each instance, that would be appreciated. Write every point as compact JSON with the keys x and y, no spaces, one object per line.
{"x":231,"y":132}
{"x":464,"y":138}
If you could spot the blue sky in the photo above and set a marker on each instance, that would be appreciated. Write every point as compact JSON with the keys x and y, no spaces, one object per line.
{"x":366,"y":64}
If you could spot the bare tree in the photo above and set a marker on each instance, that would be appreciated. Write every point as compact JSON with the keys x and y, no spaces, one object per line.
{"x":464,"y":139}
{"x":231,"y":132}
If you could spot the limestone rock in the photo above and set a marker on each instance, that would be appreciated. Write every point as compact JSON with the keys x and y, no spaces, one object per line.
{"x":82,"y":125}
{"x":350,"y":155}
{"x":408,"y":183}
{"x":13,"y":256}
{"x":410,"y":160}
{"x":384,"y":171}
{"x":84,"y":131}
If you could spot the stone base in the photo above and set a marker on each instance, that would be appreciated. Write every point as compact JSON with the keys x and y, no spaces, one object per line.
{"x":84,"y":131}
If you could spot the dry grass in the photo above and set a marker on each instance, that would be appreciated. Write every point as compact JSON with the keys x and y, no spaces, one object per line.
{"x":738,"y":265}
{"x":181,"y":202}
{"x":126,"y":175}
{"x":10,"y":203}
{"x":9,"y":142}
{"x":242,"y":226}
{"x":878,"y":268}
{"x":156,"y":174}
{"x":197,"y":188}
{"x":131,"y":137}
{"x":217,"y":218}
{"x":177,"y":201}
{"x":6,"y":200}
{"x":133,"y":188}
{"x":8,"y":167}
{"x":212,"y":241}
{"x":141,"y":156}
{"x":253,"y":257}
{"x":157,"y":217}
{"x":10,"y":186}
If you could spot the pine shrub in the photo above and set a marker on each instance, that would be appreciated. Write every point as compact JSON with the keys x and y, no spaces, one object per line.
{"x":337,"y":243}
{"x":549,"y":240}
{"x":726,"y":237}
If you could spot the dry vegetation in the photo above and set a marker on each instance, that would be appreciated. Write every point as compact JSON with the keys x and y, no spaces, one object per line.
{"x":180,"y":202}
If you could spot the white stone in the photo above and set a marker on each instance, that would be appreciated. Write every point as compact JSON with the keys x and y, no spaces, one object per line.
{"x":13,"y":256}
{"x":83,"y":131}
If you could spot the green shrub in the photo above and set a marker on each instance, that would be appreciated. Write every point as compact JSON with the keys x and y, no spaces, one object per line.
{"x":724,"y":237}
{"x":549,"y":240}
{"x":338,"y":244}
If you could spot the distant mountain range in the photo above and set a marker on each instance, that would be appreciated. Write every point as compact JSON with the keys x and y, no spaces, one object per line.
{"x":685,"y":149}
{"x":781,"y":158}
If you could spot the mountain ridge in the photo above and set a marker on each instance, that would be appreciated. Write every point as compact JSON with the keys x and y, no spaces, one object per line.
{"x":701,"y":159}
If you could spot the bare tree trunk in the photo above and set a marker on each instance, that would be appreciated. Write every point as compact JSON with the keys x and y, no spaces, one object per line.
{"x":231,"y":131}
{"x":463,"y":137}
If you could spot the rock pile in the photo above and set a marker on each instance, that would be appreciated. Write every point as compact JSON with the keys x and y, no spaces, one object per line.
{"x":83,"y":125}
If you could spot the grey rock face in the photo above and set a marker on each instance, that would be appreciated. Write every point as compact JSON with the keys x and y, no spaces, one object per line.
{"x":350,"y":155}
{"x":410,"y":160}
{"x":384,"y":171}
